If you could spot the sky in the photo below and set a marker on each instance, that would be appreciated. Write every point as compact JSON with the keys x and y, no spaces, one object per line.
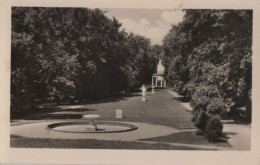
{"x":150,"y":23}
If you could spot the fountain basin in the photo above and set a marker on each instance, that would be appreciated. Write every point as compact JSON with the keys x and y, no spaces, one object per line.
{"x":86,"y":127}
{"x":92,"y":118}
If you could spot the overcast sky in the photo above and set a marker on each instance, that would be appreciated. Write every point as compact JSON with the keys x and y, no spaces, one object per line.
{"x":151,"y":23}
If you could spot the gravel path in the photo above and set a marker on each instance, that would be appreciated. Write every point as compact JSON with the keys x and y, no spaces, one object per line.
{"x":161,"y":115}
{"x":39,"y":130}
{"x":161,"y":108}
{"x":239,"y":136}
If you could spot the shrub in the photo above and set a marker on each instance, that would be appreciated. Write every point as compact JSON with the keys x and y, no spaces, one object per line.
{"x":249,"y":106}
{"x":216,"y":106}
{"x":199,"y":105}
{"x":199,"y":102}
{"x":201,"y":121}
{"x":178,"y":85}
{"x":208,"y":99}
{"x":214,"y":128}
{"x":188,"y":90}
{"x":249,"y":111}
{"x":203,"y":95}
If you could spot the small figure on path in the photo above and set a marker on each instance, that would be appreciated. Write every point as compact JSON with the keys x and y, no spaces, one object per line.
{"x":152,"y":88}
{"x":143,"y":92}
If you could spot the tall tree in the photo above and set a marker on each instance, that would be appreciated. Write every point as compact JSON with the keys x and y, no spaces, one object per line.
{"x":211,"y":49}
{"x":63,"y":54}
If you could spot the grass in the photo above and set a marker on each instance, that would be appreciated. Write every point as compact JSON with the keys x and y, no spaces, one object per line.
{"x":188,"y":137}
{"x":18,"y":142}
{"x":160,"y":108}
{"x":15,"y":136}
{"x":176,"y":122}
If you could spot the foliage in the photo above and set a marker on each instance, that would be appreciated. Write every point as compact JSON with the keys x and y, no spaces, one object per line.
{"x":249,"y":108}
{"x":203,"y":96}
{"x":216,"y":106}
{"x":206,"y":102}
{"x":214,"y":128}
{"x":201,"y":120}
{"x":208,"y":57}
{"x":188,"y":90}
{"x":64,"y":54}
{"x":141,"y":62}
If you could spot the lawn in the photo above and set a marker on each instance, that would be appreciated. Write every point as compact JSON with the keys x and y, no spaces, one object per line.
{"x":18,"y":142}
{"x":161,"y":108}
{"x":188,"y":137}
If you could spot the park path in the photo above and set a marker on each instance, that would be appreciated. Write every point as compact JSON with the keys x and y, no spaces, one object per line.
{"x":164,"y":110}
{"x":160,"y":108}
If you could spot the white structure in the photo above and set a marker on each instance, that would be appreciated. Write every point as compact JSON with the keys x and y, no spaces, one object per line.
{"x":152,"y":89}
{"x":158,"y":78}
{"x":92,"y":118}
{"x":119,"y":113}
{"x":143,"y":93}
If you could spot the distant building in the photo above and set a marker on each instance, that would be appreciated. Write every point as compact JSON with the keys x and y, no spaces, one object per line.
{"x":158,"y":78}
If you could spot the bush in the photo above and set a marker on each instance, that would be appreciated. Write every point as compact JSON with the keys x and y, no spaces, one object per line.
{"x":214,"y":128}
{"x":216,"y":106}
{"x":249,"y":111}
{"x":202,"y":97}
{"x":207,"y":99}
{"x":201,"y":121}
{"x":178,"y":86}
{"x":249,"y":106}
{"x":188,"y":90}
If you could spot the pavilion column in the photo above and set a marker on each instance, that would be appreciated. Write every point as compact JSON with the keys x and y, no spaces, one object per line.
{"x":156,"y":81}
{"x":164,"y":83}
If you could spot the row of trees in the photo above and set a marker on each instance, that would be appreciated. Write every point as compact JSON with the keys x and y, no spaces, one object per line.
{"x":208,"y":58}
{"x":74,"y":53}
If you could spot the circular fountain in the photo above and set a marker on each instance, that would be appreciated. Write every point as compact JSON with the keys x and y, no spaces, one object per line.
{"x":92,"y":119}
{"x":91,"y":126}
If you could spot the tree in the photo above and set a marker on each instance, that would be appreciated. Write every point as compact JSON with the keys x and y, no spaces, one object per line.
{"x":141,"y":61}
{"x":208,"y":57}
{"x":63,"y":54}
{"x":42,"y":67}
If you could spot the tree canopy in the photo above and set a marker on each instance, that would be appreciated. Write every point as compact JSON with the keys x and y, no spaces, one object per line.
{"x":74,"y":53}
{"x":208,"y":57}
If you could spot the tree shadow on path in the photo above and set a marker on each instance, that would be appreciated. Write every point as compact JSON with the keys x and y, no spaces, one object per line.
{"x":188,"y":137}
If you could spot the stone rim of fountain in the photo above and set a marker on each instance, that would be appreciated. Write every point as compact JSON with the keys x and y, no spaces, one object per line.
{"x":127,"y":127}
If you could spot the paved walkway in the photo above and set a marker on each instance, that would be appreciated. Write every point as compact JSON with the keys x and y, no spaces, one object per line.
{"x":239,"y":136}
{"x":38,"y":130}
{"x":163,"y":114}
{"x":161,"y":108}
{"x":185,"y":105}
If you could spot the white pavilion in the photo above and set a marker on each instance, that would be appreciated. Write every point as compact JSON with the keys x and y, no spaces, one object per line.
{"x":158,"y":78}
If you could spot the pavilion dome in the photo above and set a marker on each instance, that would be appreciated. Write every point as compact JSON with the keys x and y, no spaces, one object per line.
{"x":160,"y":67}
